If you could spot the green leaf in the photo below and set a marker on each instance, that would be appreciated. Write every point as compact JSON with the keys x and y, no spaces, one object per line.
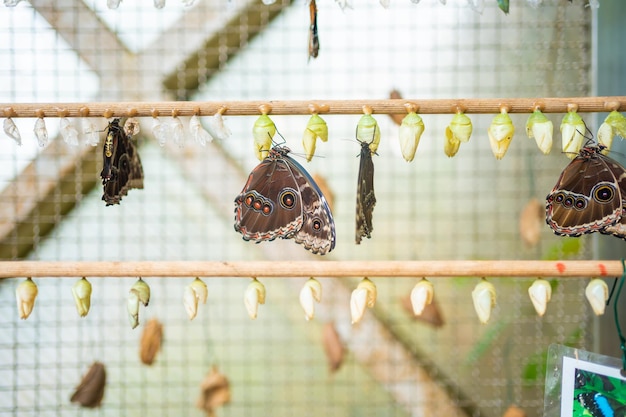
{"x":504,"y":6}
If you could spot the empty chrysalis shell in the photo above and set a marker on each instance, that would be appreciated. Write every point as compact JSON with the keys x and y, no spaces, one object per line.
{"x":68,"y":132}
{"x":310,"y":294}
{"x":178,"y":132}
{"x":218,"y":128}
{"x":573,"y":130}
{"x":539,"y":127}
{"x":362,"y":297}
{"x":41,"y":132}
{"x":198,"y":132}
{"x":161,"y":131}
{"x":253,"y":296}
{"x":410,"y":132}
{"x":10,"y":128}
{"x":597,"y":293}
{"x":315,"y":128}
{"x":540,"y":293}
{"x":26,"y":293}
{"x":82,"y":296}
{"x":421,"y":295}
{"x":484,"y":297}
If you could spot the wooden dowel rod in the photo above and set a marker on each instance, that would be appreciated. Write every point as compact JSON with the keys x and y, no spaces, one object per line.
{"x":294,"y":107}
{"x":390,"y":269}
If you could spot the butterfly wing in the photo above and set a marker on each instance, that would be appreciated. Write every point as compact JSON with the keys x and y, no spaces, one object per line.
{"x":318,"y":227}
{"x":365,"y":198}
{"x":269,"y":206}
{"x":122,"y":169}
{"x":280,"y":199}
{"x":587,"y":197}
{"x":619,"y":228}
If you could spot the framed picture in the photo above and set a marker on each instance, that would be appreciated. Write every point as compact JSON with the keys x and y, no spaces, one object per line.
{"x":583,"y":384}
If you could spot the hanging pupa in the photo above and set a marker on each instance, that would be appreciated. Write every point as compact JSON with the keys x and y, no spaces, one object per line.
{"x":363,"y":296}
{"x":410,"y":132}
{"x":263,"y":132}
{"x":68,"y":131}
{"x":316,"y":128}
{"x":573,"y":130}
{"x":81,"y":291}
{"x":597,"y":293}
{"x":217,"y":126}
{"x":501,"y":133}
{"x":178,"y":132}
{"x":10,"y":128}
{"x":41,"y":133}
{"x":421,"y":296}
{"x":150,"y":343}
{"x":614,"y":124}
{"x":367,"y":131}
{"x":539,"y":127}
{"x":161,"y":131}
{"x":198,"y":132}
{"x":253,"y":296}
{"x":26,"y":293}
{"x":484,"y":297}
{"x":540,"y":293}
{"x":310,"y":294}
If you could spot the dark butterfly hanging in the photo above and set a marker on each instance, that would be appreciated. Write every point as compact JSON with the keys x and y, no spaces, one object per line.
{"x":590,"y":196}
{"x":280,"y":199}
{"x":121,"y":168}
{"x":365,"y":198}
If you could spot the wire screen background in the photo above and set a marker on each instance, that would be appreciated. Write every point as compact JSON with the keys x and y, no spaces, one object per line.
{"x":466,"y":207}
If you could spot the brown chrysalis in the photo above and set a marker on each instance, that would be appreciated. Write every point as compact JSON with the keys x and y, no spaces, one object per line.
{"x":121,"y":168}
{"x":365,"y":198}
{"x":214,"y":391}
{"x":314,"y":40}
{"x":333,"y":347}
{"x":90,"y":391}
{"x":150,"y":341}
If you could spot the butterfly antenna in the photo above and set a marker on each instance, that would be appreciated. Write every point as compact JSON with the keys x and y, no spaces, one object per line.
{"x":587,"y":134}
{"x":281,"y":136}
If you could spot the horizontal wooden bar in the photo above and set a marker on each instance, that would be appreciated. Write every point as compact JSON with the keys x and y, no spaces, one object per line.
{"x":391,"y":269}
{"x":295,"y":107}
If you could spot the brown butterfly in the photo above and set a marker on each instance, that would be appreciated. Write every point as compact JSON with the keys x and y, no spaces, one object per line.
{"x":365,"y":198}
{"x":121,"y":168}
{"x":280,"y":199}
{"x":590,"y":196}
{"x":90,"y":391}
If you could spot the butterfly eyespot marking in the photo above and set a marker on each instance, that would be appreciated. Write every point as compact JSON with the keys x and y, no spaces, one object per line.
{"x":317,"y":224}
{"x":267,"y":209}
{"x":559,"y":198}
{"x":603,"y":193}
{"x":287,"y":198}
{"x":568,"y":202}
{"x":580,"y":203}
{"x":248,"y":200}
